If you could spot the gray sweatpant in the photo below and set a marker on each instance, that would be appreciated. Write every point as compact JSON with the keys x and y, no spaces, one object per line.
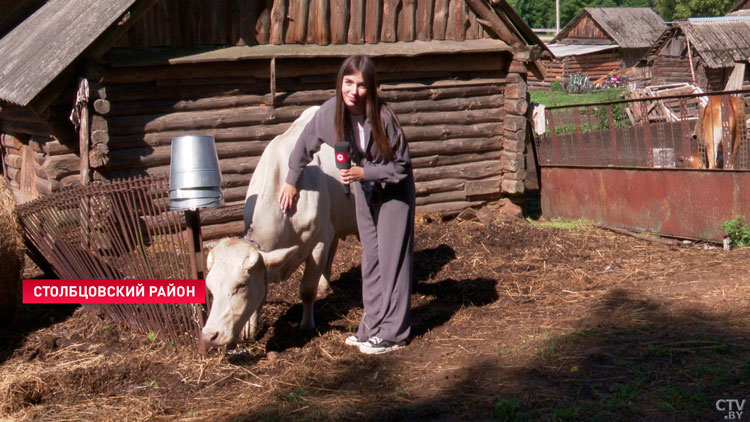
{"x":385,"y":219}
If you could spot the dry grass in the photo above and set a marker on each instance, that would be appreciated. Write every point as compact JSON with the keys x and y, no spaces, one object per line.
{"x":558,"y":322}
{"x":11,"y":254}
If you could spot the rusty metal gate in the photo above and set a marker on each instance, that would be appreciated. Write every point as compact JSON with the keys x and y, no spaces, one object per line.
{"x":118,"y":230}
{"x":642,"y":164}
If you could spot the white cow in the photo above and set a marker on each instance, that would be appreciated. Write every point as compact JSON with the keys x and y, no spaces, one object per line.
{"x":275,"y":244}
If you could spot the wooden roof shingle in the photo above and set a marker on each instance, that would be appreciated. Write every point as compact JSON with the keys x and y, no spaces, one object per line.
{"x":718,"y":41}
{"x":628,"y":27}
{"x":41,"y":47}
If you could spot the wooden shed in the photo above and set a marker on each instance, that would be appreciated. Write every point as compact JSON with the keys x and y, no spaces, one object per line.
{"x":601,"y":40}
{"x":705,"y":51}
{"x":134,"y":74}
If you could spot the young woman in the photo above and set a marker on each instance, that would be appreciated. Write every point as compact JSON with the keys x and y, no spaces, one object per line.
{"x":383,"y":185}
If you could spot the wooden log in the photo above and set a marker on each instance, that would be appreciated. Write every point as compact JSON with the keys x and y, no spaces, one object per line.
{"x":457,"y":21}
{"x":11,"y":141}
{"x":172,"y":73}
{"x":449,"y":104}
{"x":22,"y":114}
{"x":278,"y":20}
{"x":58,"y":166}
{"x":145,"y":106}
{"x":446,"y":185}
{"x":147,"y":91}
{"x":217,"y":231}
{"x":440,"y":19}
{"x":442,"y":197}
{"x":447,"y":208}
{"x":356,"y":33}
{"x":46,"y":187}
{"x":420,"y":133}
{"x":450,"y":117}
{"x":13,"y":160}
{"x":83,"y":146}
{"x":495,"y":23}
{"x":339,"y":21}
{"x":257,"y":133}
{"x":454,"y":146}
{"x":217,"y":215}
{"x":151,"y":157}
{"x":424,"y":19}
{"x":98,"y":156}
{"x":476,"y":170}
{"x":263,"y":25}
{"x":373,"y":19}
{"x":388,"y":29}
{"x":298,"y":14}
{"x":443,"y":160}
{"x":407,"y":22}
{"x":437,"y":94}
{"x":102,"y":106}
{"x":323,"y":29}
{"x":189,"y":121}
{"x":12,"y":174}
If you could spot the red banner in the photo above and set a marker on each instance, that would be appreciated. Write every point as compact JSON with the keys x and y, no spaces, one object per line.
{"x":114,"y":291}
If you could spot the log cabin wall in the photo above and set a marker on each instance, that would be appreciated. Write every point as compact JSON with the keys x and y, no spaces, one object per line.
{"x":670,"y":69}
{"x":38,"y":154}
{"x":593,"y":65}
{"x":452,"y":108}
{"x":183,"y":23}
{"x":463,"y":112}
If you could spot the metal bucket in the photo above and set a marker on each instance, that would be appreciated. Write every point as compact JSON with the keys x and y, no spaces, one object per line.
{"x":194,"y":174}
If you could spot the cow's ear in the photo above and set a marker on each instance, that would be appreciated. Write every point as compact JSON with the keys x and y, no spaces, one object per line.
{"x":250,"y":261}
{"x":210,"y":260}
{"x":277,"y":257}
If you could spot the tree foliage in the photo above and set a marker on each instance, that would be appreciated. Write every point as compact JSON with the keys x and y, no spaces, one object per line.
{"x":541,"y":13}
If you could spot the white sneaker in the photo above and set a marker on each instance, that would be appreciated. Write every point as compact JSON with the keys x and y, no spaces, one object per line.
{"x":376,"y":346}
{"x":353,"y":340}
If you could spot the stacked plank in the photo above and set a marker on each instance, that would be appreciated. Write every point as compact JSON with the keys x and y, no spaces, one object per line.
{"x":236,"y":22}
{"x":454,"y":124}
{"x":554,"y":70}
{"x":592,"y":65}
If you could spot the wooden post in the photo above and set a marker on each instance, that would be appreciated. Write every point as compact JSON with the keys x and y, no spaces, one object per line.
{"x":83,"y":138}
{"x":195,"y":251}
{"x":273,"y":81}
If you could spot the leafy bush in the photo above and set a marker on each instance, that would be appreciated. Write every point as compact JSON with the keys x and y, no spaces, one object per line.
{"x":556,"y":86}
{"x":738,"y":229}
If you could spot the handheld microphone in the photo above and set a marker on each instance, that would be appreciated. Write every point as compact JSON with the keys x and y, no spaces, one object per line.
{"x":343,"y":160}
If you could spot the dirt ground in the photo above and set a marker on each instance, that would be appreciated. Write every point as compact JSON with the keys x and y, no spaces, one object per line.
{"x":511,"y":321}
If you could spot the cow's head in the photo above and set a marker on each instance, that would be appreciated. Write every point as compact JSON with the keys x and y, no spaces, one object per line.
{"x":237,"y":281}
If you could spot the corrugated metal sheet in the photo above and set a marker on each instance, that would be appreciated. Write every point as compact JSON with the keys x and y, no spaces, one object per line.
{"x":565,"y":50}
{"x":629,"y":27}
{"x":718,"y":41}
{"x":42,"y":46}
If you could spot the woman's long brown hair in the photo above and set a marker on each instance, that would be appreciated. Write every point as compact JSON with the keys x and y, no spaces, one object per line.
{"x":373,"y":109}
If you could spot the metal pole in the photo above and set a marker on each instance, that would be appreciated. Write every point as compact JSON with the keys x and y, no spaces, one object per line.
{"x":195,"y":246}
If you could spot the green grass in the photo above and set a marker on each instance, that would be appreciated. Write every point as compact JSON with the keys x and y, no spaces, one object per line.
{"x":553,"y":98}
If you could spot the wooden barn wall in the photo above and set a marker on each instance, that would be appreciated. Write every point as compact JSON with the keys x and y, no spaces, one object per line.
{"x":631,"y":56}
{"x":190,"y":23}
{"x":592,"y":65}
{"x":716,"y":78}
{"x":452,"y":110}
{"x":671,"y":69}
{"x":554,"y":70}
{"x":585,"y":31}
